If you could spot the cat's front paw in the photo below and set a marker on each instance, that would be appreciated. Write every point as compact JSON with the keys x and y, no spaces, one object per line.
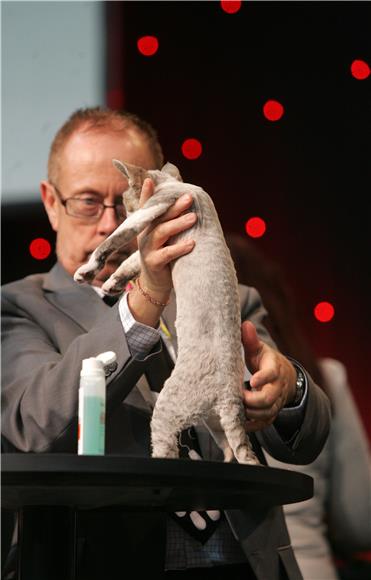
{"x":86,"y":272}
{"x":114,"y":285}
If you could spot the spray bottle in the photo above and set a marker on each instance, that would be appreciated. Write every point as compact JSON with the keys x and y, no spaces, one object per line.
{"x":92,"y":404}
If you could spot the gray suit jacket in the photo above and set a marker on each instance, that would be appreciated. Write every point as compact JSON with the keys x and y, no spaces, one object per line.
{"x":49,"y":324}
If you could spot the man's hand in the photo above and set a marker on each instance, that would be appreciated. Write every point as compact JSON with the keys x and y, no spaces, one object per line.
{"x":273,"y":380}
{"x":155,"y":254}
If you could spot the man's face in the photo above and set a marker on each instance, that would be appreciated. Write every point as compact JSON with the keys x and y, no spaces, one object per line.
{"x":85,"y":167}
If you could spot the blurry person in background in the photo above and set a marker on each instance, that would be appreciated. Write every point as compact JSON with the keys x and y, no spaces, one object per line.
{"x":337,"y":520}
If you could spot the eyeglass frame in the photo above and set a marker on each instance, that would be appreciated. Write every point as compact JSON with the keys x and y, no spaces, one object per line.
{"x":91,"y":219}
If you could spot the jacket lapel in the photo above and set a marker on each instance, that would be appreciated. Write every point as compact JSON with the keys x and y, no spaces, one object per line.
{"x":71,"y":298}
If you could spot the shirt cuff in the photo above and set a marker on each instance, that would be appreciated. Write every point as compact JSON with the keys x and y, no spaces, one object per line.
{"x":141,"y":338}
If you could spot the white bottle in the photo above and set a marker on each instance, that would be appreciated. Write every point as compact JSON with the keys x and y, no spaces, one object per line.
{"x":92,"y":404}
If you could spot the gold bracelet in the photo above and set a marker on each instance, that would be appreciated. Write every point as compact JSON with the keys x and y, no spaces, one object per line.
{"x":148,"y":296}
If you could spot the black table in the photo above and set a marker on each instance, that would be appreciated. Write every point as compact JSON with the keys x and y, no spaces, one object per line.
{"x":48,"y":491}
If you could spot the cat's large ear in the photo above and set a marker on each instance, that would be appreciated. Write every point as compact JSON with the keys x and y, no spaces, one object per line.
{"x":121,"y":167}
{"x":134,"y":174}
{"x":172,"y":170}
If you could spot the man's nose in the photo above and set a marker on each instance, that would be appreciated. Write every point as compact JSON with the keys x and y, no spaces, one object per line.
{"x":108,"y":222}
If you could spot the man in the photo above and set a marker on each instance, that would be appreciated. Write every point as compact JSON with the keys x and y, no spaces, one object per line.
{"x":50,"y":324}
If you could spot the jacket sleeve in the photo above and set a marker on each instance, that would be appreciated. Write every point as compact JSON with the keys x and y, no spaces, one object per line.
{"x":40,"y":377}
{"x":310,"y":438}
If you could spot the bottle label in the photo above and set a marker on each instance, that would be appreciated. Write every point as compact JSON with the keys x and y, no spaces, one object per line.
{"x":92,"y":426}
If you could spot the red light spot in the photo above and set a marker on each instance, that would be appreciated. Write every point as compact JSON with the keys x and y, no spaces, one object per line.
{"x":147,"y":45}
{"x":360,"y":69}
{"x":324,"y":311}
{"x":191,"y":148}
{"x":230,"y":6}
{"x":255,"y":227}
{"x":273,"y":110}
{"x":40,"y":248}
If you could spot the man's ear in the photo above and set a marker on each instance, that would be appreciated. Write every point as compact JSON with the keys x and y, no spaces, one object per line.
{"x":51,"y":203}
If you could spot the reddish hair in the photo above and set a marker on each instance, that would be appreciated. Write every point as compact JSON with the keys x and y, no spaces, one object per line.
{"x":92,"y":118}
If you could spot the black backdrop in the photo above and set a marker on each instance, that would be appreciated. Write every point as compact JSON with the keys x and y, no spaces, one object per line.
{"x":308,"y":174}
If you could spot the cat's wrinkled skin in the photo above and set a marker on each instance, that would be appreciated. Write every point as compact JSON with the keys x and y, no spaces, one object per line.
{"x":207,"y":378}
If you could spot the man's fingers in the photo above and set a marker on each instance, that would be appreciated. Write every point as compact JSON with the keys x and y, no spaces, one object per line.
{"x":183,"y":203}
{"x":264,"y":376}
{"x":167,"y":254}
{"x":261,"y":399}
{"x":264,"y":413}
{"x":256,"y":425}
{"x":163,"y":232}
{"x":250,"y":340}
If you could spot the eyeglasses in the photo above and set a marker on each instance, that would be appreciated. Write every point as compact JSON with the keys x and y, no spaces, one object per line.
{"x":88,"y":208}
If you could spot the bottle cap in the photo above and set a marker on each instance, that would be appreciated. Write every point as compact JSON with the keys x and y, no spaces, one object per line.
{"x":96,"y":365}
{"x":107,"y":358}
{"x":92,"y":366}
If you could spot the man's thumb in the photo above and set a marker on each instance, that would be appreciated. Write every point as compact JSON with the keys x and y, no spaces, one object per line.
{"x":250,"y":340}
{"x":147,"y":191}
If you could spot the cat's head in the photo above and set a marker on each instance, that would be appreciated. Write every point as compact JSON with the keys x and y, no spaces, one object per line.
{"x":136,"y":175}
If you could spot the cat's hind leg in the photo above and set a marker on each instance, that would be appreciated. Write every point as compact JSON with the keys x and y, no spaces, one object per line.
{"x":164,"y":437}
{"x":232,"y":419}
{"x":212,"y":423}
{"x":170,"y":416}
